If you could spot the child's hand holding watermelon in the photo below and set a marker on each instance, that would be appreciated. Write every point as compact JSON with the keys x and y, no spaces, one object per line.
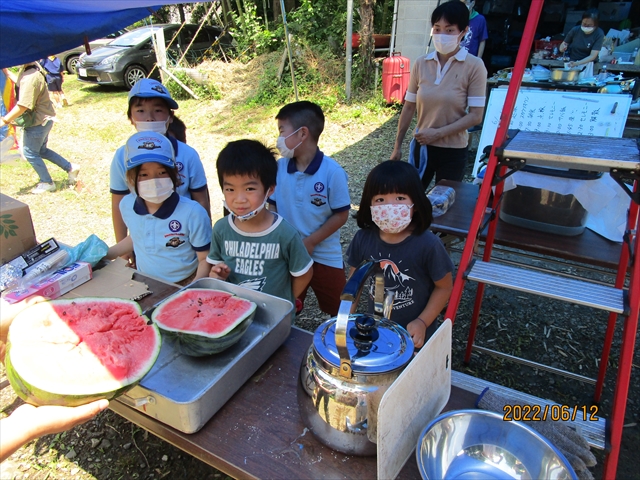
{"x":27,"y":423}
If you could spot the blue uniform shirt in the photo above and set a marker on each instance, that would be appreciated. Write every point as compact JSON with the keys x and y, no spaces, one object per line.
{"x":166,"y":242}
{"x":307,"y":200}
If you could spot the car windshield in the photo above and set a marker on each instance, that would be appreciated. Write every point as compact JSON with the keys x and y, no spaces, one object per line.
{"x":135,"y":37}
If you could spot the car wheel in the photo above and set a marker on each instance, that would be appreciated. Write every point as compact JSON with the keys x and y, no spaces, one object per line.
{"x":132,"y":74}
{"x":72,"y":63}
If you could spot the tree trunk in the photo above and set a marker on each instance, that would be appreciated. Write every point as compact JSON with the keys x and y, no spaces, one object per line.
{"x":277,"y":13}
{"x":181,"y":12}
{"x":366,"y":39}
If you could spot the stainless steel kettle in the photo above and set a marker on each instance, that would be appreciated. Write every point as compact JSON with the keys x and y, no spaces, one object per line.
{"x":353,"y":360}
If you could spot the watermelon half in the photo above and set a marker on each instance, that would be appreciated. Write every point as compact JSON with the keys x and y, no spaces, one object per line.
{"x":204,"y":321}
{"x":72,"y":352}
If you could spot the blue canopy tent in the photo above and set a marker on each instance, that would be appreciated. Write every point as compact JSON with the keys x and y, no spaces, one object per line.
{"x":33,"y":29}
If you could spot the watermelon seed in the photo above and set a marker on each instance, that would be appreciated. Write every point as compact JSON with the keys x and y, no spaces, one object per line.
{"x":64,"y":313}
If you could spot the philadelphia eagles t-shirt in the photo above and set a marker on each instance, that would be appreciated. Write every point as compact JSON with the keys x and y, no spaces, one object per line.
{"x":262,"y":261}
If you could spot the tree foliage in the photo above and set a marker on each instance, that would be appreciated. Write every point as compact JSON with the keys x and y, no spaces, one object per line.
{"x":258,"y":28}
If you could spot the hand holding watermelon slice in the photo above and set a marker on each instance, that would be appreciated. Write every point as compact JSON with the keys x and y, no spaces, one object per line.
{"x":72,"y":352}
{"x":27,"y":423}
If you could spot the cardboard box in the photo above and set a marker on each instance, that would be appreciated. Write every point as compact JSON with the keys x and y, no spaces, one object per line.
{"x":59,"y":283}
{"x":16,"y":228}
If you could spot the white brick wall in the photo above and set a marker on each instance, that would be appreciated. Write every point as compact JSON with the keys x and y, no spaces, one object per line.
{"x":414,"y":27}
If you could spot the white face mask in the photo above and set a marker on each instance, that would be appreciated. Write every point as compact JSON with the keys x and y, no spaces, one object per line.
{"x":157,"y":127}
{"x":445,"y":44}
{"x":588,"y":30}
{"x":285,"y":151}
{"x":250,"y":215}
{"x":156,"y":190}
{"x":391,"y":217}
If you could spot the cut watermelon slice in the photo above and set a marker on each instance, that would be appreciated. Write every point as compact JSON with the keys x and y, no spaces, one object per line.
{"x":204,"y":321}
{"x":71,"y":352}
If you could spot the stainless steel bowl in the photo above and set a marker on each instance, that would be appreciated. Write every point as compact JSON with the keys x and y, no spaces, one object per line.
{"x":469,"y":444}
{"x":563,"y":75}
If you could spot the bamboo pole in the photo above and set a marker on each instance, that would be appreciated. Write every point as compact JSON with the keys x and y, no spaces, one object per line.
{"x":177,"y":80}
{"x":197,"y":32}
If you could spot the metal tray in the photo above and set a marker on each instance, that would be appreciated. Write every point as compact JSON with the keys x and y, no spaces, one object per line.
{"x":185,"y":392}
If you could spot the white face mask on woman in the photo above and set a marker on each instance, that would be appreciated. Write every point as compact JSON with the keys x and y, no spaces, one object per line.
{"x":156,"y":190}
{"x":444,"y":43}
{"x":588,"y":30}
{"x":157,"y":127}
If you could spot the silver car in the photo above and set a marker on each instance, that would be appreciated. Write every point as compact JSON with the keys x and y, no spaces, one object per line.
{"x":69,"y":58}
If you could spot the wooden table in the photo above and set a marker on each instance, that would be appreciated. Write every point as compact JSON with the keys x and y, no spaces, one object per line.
{"x":259,"y":433}
{"x":589,"y":247}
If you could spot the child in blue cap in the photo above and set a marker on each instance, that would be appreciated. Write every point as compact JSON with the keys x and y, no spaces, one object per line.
{"x":151,"y":110}
{"x":169,"y":233}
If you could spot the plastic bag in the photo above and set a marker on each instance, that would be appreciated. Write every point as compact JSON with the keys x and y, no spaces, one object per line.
{"x":92,"y":250}
{"x":441,"y":198}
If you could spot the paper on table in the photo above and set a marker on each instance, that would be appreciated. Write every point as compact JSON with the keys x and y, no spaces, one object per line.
{"x":113,"y":281}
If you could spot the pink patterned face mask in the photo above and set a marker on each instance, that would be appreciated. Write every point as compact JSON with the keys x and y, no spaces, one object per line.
{"x":391,"y":217}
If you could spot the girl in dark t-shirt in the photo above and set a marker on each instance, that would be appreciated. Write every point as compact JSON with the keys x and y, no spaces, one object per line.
{"x":394,"y":218}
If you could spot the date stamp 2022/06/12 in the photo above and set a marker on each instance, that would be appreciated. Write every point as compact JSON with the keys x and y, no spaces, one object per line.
{"x":541,"y":413}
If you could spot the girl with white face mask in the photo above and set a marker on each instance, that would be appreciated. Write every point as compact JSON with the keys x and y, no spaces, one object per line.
{"x":394,"y":219}
{"x":584,"y":42}
{"x":447,"y":89}
{"x":170,"y":234}
{"x":151,"y":110}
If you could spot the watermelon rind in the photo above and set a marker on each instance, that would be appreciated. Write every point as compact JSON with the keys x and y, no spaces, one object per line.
{"x":31,"y":364}
{"x":200,"y":344}
{"x":38,"y":397}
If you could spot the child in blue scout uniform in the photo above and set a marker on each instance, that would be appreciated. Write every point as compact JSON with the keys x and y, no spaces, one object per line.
{"x":170,"y":234}
{"x":151,"y":110}
{"x":254,"y":247}
{"x":394,"y":231}
{"x":312,"y":195}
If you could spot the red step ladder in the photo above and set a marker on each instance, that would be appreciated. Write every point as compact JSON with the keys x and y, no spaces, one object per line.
{"x":619,"y":157}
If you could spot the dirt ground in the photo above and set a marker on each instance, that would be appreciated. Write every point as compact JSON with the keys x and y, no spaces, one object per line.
{"x":555,"y":333}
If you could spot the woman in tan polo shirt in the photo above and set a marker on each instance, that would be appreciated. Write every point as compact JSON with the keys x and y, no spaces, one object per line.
{"x":447,"y":88}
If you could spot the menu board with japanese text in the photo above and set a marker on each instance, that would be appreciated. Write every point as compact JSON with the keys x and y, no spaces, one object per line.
{"x":575,"y":113}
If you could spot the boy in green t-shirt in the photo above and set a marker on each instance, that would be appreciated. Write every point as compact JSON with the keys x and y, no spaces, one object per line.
{"x":254,"y":247}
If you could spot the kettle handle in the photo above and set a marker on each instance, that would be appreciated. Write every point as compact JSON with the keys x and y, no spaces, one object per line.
{"x":350,"y":296}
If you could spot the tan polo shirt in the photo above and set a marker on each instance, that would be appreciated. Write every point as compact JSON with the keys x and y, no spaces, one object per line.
{"x":34,"y":95}
{"x":443,"y":93}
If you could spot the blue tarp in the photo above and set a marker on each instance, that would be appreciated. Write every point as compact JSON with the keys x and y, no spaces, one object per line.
{"x":33,"y":29}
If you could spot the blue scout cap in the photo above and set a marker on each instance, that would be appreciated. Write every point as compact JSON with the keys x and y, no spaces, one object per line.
{"x":150,"y":88}
{"x":143,"y":147}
